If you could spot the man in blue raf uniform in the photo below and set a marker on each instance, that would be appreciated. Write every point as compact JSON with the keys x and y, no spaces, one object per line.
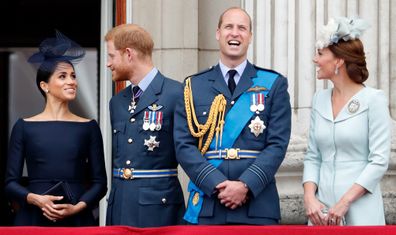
{"x":145,"y":189}
{"x":231,"y":133}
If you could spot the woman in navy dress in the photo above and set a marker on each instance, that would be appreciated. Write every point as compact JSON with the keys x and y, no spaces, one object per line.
{"x":58,"y":146}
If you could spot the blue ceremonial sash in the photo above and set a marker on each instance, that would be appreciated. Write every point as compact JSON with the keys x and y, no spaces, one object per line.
{"x":235,"y":121}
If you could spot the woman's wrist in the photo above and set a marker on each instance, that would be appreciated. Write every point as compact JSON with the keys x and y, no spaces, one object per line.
{"x":31,"y":198}
{"x":346,"y":201}
{"x":80,"y":207}
{"x":309,"y":196}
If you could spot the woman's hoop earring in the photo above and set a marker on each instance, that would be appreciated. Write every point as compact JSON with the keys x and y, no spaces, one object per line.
{"x":336,"y":71}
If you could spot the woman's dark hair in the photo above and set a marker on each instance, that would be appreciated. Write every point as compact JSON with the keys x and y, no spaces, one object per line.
{"x":45,"y":71}
{"x":352,"y":52}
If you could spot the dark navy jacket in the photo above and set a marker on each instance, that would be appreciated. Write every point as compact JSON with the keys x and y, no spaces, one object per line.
{"x":145,"y":202}
{"x":258,"y":174}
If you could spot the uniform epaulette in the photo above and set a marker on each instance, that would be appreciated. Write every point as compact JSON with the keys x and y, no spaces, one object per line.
{"x":200,"y":72}
{"x":268,"y":70}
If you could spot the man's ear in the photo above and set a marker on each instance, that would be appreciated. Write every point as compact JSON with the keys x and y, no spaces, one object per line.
{"x":131,"y":53}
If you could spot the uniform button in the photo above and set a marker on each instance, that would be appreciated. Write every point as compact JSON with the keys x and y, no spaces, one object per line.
{"x":163,"y":200}
{"x":132,"y":120}
{"x":232,"y":102}
{"x":204,"y":113}
{"x":130,"y":141}
{"x":128,"y":162}
{"x":114,"y":131}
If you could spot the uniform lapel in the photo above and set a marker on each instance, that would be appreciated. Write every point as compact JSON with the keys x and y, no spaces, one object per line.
{"x":218,"y":82}
{"x":126,"y":98}
{"x":150,"y":95}
{"x":246,"y":80}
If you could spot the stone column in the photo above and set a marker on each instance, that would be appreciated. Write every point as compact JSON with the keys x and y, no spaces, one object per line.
{"x":208,"y":15}
{"x":173,"y":25}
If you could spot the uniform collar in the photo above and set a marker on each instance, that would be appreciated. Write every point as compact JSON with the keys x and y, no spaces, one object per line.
{"x":240,"y":68}
{"x":145,"y":82}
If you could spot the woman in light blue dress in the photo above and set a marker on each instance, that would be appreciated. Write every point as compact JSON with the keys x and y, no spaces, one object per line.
{"x":350,"y":134}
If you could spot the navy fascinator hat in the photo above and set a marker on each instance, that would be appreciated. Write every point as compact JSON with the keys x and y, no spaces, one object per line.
{"x":55,"y":50}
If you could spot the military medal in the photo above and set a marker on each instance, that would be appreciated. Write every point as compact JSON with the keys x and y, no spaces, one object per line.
{"x":155,"y":117}
{"x":146,"y":120}
{"x":152,"y":121}
{"x":353,"y":106}
{"x":152,"y":126}
{"x":260,"y":102}
{"x":133,"y":104}
{"x":159,"y":121}
{"x":257,"y":126}
{"x":253,"y":103}
{"x":151,"y":143}
{"x":132,"y":107}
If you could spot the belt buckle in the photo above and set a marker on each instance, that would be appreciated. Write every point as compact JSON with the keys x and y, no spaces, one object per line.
{"x":232,"y":153}
{"x":127,"y":173}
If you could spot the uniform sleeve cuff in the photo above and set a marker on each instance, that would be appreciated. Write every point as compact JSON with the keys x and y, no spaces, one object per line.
{"x":209,"y":183}
{"x":255,"y":179}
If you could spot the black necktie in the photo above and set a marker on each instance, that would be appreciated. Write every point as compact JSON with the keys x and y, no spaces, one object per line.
{"x":136,"y":92}
{"x":231,"y":81}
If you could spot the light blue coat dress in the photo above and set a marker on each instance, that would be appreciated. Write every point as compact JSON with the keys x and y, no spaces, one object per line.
{"x":352,"y":148}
